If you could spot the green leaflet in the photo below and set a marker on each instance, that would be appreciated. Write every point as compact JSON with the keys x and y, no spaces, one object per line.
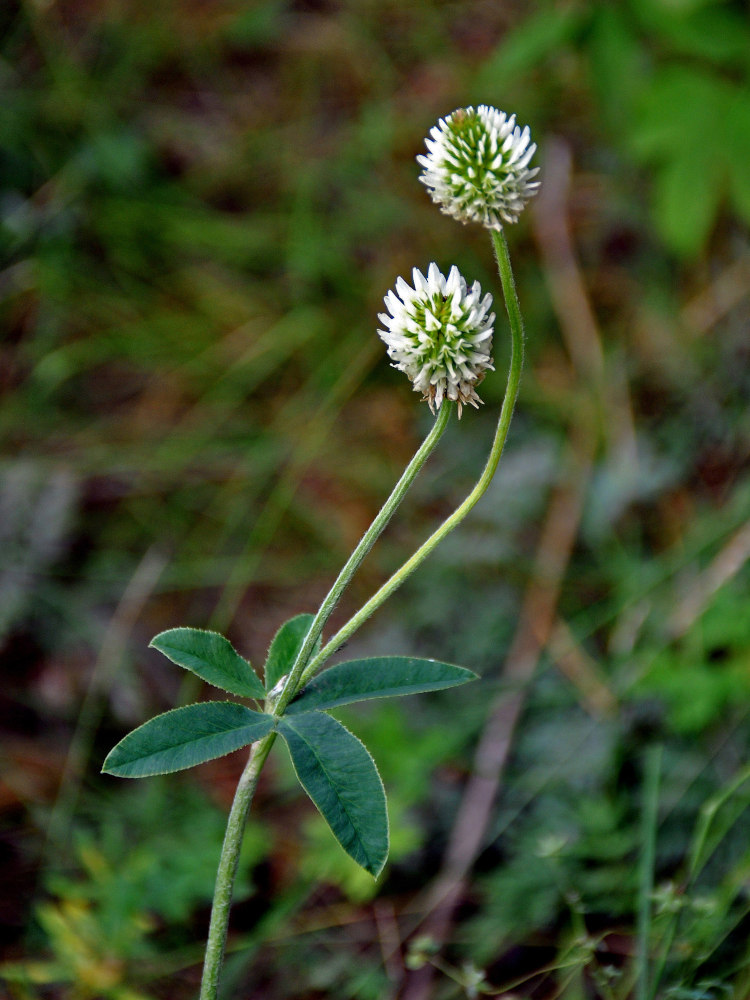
{"x":341,"y":778}
{"x":184,"y":737}
{"x":377,"y":677}
{"x":284,"y":648}
{"x":211,"y":657}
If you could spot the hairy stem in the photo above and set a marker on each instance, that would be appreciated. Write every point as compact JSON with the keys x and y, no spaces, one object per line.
{"x":511,"y":393}
{"x":363,"y":547}
{"x":230,"y":855}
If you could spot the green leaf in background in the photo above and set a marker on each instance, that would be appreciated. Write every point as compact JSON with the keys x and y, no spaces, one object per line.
{"x":377,"y":677}
{"x":545,"y":32}
{"x":678,"y":104}
{"x":284,"y":648}
{"x":738,"y":152}
{"x":211,"y":657}
{"x":687,"y":193}
{"x":698,"y":29}
{"x":617,"y":60}
{"x":691,"y":176}
{"x":185,"y":737}
{"x":341,"y":778}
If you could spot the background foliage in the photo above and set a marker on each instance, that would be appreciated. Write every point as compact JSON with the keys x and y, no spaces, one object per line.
{"x":201,"y":208}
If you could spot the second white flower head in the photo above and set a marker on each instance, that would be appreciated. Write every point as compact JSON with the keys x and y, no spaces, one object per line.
{"x":439,"y":333}
{"x":477,"y":166}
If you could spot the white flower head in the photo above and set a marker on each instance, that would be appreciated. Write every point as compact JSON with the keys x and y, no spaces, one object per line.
{"x":439,"y":333}
{"x":477,"y":166}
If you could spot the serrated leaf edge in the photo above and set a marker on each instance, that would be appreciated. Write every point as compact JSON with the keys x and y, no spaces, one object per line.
{"x":316,"y":647}
{"x":390,"y":694}
{"x":259,"y":691}
{"x":154,"y":774}
{"x":280,"y":729}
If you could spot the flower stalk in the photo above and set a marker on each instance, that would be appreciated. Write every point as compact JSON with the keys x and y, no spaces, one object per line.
{"x":501,"y":433}
{"x":367,"y":541}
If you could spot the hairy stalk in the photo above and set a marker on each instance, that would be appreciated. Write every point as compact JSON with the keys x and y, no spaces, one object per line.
{"x":363,"y":547}
{"x":511,"y":393}
{"x":225,"y":876}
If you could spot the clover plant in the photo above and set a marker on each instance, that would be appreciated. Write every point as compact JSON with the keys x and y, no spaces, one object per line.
{"x":438,"y":331}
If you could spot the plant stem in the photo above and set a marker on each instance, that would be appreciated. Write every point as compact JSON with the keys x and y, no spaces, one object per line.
{"x":230,"y":854}
{"x":302,"y":670}
{"x":217,"y":933}
{"x":511,"y":393}
{"x":363,"y":547}
{"x":649,"y":818}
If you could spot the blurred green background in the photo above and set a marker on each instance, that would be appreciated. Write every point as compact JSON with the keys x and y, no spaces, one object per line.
{"x":201,"y":207}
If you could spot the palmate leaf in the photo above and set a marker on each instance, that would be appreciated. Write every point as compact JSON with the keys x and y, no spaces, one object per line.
{"x":211,"y":657}
{"x":341,"y":778}
{"x":284,"y":648}
{"x":377,"y":677}
{"x":185,"y":737}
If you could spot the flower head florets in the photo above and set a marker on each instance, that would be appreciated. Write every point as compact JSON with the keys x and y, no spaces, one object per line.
{"x":439,"y":333}
{"x":477,"y":166}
